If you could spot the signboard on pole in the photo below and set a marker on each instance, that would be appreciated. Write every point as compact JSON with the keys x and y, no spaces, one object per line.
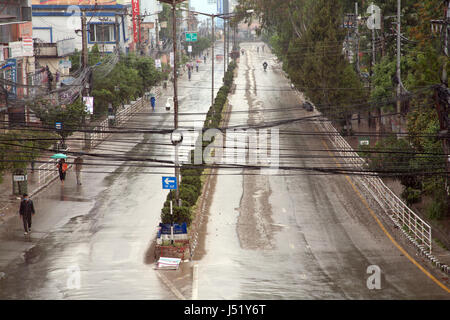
{"x":191,"y":36}
{"x":364,"y":141}
{"x":18,"y":178}
{"x":158,"y":63}
{"x":89,"y":103}
{"x":11,"y":75}
{"x":169,"y":183}
{"x":27,"y":49}
{"x":172,"y":61}
{"x":135,"y":12}
{"x":189,"y":48}
{"x":16,"y":49}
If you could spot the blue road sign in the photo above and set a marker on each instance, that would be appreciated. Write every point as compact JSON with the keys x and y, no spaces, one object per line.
{"x":58,"y":125}
{"x":169,"y":183}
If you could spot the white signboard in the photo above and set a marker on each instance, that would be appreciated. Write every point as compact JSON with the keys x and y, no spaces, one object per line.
{"x":65,"y":64}
{"x":16,"y":49}
{"x":189,"y":48}
{"x":158,"y":63}
{"x":171,"y":59}
{"x":2,"y":57}
{"x":17,"y":178}
{"x":27,"y":49}
{"x":89,"y":103}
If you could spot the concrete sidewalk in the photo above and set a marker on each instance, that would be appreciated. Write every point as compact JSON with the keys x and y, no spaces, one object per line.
{"x":9,"y":203}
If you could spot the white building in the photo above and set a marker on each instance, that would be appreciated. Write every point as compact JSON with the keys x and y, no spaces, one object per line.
{"x":150,"y":10}
{"x":107,"y":24}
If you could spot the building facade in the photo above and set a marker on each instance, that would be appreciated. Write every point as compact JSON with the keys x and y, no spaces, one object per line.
{"x":16,"y":57}
{"x":107,"y":22}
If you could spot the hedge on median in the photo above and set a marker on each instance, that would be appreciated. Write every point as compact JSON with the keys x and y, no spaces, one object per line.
{"x":191,"y":185}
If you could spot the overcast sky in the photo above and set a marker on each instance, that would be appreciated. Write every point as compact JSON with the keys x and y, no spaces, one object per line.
{"x":203,"y":6}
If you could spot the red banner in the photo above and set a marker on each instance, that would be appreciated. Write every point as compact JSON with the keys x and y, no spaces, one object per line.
{"x":136,"y":12}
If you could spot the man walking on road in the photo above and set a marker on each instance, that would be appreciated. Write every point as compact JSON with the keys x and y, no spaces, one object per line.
{"x":26,"y":211}
{"x":78,"y":166}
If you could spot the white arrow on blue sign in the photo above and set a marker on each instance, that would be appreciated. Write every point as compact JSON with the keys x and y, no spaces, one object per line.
{"x":169,"y":183}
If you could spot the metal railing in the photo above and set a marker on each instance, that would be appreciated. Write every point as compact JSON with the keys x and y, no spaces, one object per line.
{"x":414,"y":227}
{"x":101,"y":132}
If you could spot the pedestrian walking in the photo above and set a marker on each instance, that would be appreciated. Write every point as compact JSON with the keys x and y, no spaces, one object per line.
{"x":62,"y":168}
{"x":26,"y":210}
{"x":78,"y":166}
{"x":189,"y":74}
{"x":153,"y":102}
{"x":204,"y":59}
{"x":196,"y":66}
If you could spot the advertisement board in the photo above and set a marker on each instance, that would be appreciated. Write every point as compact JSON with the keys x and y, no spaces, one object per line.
{"x":76,"y":2}
{"x":11,"y":75}
{"x":16,"y":49}
{"x":136,"y":12}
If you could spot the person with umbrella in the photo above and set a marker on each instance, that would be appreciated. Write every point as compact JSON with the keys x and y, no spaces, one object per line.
{"x":62,"y":168}
{"x":153,"y":102}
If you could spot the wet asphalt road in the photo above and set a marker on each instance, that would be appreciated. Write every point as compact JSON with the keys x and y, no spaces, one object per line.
{"x":92,"y":241}
{"x":297,"y":236}
{"x":269,"y":237}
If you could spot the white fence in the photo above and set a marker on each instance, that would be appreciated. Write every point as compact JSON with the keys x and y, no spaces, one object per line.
{"x":415,"y":228}
{"x":48,"y":171}
{"x":101,"y":132}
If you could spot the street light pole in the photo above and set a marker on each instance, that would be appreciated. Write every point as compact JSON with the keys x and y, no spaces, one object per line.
{"x":228,"y":42}
{"x":175,"y":102}
{"x":212,"y":62}
{"x":224,"y":46}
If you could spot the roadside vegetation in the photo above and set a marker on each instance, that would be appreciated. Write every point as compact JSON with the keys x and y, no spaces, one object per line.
{"x":308,"y":37}
{"x":191,"y":175}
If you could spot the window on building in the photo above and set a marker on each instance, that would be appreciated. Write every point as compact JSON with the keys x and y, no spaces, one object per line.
{"x":101,"y":33}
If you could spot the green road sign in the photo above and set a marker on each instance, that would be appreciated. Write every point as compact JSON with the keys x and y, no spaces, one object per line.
{"x":191,"y":36}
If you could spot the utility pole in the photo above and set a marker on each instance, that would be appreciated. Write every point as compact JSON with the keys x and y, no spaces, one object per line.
{"x":157,"y":34}
{"x":224,"y":46}
{"x":175,"y":102}
{"x":446,"y":25}
{"x":84,"y":50}
{"x":399,"y":73}
{"x":357,"y":37}
{"x":212,"y":61}
{"x":383,"y":39}
{"x":117,"y":34}
{"x":442,"y":99}
{"x":358,"y":70}
{"x":228,"y":42}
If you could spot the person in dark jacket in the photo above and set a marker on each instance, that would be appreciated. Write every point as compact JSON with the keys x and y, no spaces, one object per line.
{"x":26,"y":211}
